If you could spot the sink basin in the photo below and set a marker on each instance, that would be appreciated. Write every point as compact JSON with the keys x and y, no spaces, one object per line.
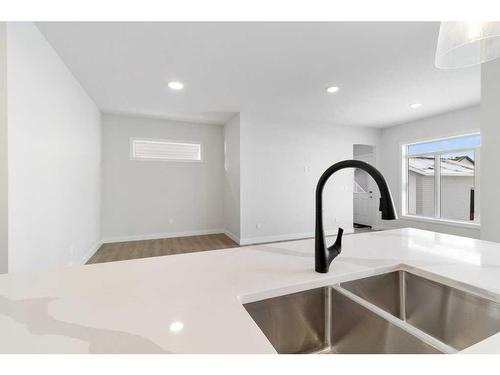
{"x":456,"y":317}
{"x":326,"y":320}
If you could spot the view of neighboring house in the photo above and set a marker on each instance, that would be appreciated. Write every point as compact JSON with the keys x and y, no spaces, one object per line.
{"x":456,"y":183}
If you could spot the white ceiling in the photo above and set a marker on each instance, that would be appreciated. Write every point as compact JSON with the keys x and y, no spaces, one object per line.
{"x":279,"y":70}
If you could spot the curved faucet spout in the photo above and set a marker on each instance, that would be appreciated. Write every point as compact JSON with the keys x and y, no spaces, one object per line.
{"x":323,"y":255}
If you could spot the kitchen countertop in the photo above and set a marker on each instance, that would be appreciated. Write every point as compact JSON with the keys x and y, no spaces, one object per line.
{"x":192,"y":303}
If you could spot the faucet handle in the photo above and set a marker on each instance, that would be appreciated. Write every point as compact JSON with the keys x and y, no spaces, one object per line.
{"x":338,"y":241}
{"x":337,"y":246}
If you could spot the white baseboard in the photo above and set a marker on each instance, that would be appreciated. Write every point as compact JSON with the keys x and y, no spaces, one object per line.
{"x":162,"y":235}
{"x":289,"y":237}
{"x":90,"y":252}
{"x":232,"y":236}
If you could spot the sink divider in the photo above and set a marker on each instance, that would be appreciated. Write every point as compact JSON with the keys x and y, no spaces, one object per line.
{"x":401,"y":323}
{"x":402,"y":296}
{"x":328,"y":317}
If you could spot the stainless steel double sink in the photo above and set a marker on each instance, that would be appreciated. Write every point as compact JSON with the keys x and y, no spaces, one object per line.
{"x":395,"y":312}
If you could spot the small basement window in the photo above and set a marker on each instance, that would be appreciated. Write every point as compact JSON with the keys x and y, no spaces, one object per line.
{"x":164,"y":150}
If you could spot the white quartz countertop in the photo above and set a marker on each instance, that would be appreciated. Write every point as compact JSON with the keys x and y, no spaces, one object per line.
{"x":192,"y":303}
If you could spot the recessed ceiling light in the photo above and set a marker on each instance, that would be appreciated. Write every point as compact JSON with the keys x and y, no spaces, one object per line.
{"x":332,"y":89}
{"x":415,"y":105}
{"x":176,"y":326}
{"x":174,"y":85}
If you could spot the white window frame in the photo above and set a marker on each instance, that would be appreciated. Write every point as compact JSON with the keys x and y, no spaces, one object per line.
{"x":437,"y":181}
{"x":191,"y":142}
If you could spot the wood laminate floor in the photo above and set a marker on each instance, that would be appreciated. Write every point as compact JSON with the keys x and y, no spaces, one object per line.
{"x":111,"y":252}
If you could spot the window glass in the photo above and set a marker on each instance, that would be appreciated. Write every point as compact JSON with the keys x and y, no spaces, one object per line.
{"x":470,"y":141}
{"x":442,"y":178}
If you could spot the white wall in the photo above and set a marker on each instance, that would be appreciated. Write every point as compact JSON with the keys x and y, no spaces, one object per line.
{"x":281,"y":163}
{"x":54,"y":157}
{"x":4,"y":254}
{"x":463,"y":121}
{"x":155,"y":199}
{"x":490,"y":148}
{"x":232,"y":178}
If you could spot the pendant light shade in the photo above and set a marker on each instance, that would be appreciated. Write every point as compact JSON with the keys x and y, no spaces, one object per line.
{"x":463,"y":44}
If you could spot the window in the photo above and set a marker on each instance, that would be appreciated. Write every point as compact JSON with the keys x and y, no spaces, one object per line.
{"x":441,"y":179}
{"x":164,"y":150}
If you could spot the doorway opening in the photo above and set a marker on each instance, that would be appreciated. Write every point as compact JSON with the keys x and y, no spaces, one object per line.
{"x":365,"y":191}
